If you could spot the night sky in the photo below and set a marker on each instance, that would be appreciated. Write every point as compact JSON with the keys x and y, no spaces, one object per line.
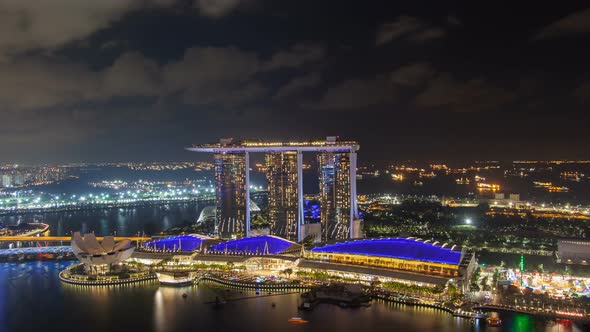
{"x":133,"y":80}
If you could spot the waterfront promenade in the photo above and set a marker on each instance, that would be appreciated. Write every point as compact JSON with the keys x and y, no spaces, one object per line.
{"x":65,"y":238}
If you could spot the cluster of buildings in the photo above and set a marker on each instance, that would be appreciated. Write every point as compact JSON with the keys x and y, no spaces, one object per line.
{"x":339,"y":249}
{"x":339,"y":218}
{"x":16,"y":176}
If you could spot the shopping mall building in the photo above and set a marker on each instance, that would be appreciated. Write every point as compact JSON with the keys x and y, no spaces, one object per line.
{"x":405,"y":260}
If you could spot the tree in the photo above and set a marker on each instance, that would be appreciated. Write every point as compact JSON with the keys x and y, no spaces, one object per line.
{"x":288,"y":272}
{"x":375,"y":282}
{"x":495,"y":277}
{"x":452,"y":291}
{"x":477,"y":272}
{"x":484,"y":283}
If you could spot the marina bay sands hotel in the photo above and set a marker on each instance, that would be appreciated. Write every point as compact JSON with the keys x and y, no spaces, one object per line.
{"x":339,"y":217}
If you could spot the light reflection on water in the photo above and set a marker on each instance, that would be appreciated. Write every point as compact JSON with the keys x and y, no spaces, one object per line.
{"x":32,"y":298}
{"x":123,"y":221}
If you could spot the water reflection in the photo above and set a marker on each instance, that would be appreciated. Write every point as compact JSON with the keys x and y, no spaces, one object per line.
{"x":124,"y":222}
{"x":32,"y":288}
{"x":159,"y":314}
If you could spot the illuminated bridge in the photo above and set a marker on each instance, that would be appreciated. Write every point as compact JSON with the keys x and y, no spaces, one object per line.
{"x":64,"y":238}
{"x":57,"y":250}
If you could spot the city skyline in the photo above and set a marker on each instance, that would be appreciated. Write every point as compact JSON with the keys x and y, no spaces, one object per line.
{"x":172,"y":165}
{"x":130,"y":80}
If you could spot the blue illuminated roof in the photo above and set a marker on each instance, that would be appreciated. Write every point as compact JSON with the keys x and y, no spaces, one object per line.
{"x":188,"y":242}
{"x":254,"y":245}
{"x":394,"y":248}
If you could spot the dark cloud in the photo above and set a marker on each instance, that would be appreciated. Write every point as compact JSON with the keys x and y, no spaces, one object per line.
{"x":132,"y":74}
{"x":473,"y":95}
{"x":31,"y":84}
{"x":582,"y":93}
{"x":408,"y":27}
{"x":217,"y":8}
{"x":413,"y":74}
{"x":31,"y":25}
{"x":113,"y":44}
{"x":212,"y":76}
{"x":453,"y":20}
{"x":577,"y":22}
{"x":428,"y":34}
{"x":297,"y":85}
{"x":210,"y":64}
{"x":356,"y":94}
{"x":296,"y":56}
{"x":122,"y":73}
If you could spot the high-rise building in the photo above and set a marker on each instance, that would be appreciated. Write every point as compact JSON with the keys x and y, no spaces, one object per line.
{"x":335,"y":195}
{"x":19,"y":179}
{"x":283,"y":200}
{"x":342,"y":193}
{"x":327,"y":178}
{"x":339,"y":217}
{"x":6,"y":180}
{"x":231,"y":182}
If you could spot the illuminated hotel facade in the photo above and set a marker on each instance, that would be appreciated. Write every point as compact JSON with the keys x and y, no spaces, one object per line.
{"x":284,"y":163}
{"x":282,"y":181}
{"x":231,"y":195}
{"x":335,"y":194}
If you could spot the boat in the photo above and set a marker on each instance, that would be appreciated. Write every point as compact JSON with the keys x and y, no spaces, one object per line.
{"x":494,"y":321}
{"x":307,"y":305}
{"x":297,"y":320}
{"x":469,"y":314}
{"x":175,"y":280}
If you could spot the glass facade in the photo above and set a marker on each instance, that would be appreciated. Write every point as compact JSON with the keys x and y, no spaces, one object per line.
{"x":230,"y":190}
{"x":335,"y":189}
{"x":281,"y":176}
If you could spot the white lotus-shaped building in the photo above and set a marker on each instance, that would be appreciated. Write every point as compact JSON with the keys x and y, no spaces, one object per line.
{"x":91,"y":252}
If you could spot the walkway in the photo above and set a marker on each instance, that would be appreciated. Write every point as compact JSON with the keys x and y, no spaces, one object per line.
{"x":65,"y":238}
{"x":58,"y":250}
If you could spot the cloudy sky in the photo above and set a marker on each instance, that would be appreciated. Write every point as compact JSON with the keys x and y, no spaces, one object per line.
{"x":123,"y":80}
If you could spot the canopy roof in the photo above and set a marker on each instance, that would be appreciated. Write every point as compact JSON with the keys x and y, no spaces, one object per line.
{"x":262,"y":244}
{"x":412,"y":249}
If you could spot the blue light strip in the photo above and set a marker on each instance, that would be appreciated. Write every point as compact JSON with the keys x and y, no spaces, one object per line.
{"x":394,"y":248}
{"x":184,"y":242}
{"x":254,"y":245}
